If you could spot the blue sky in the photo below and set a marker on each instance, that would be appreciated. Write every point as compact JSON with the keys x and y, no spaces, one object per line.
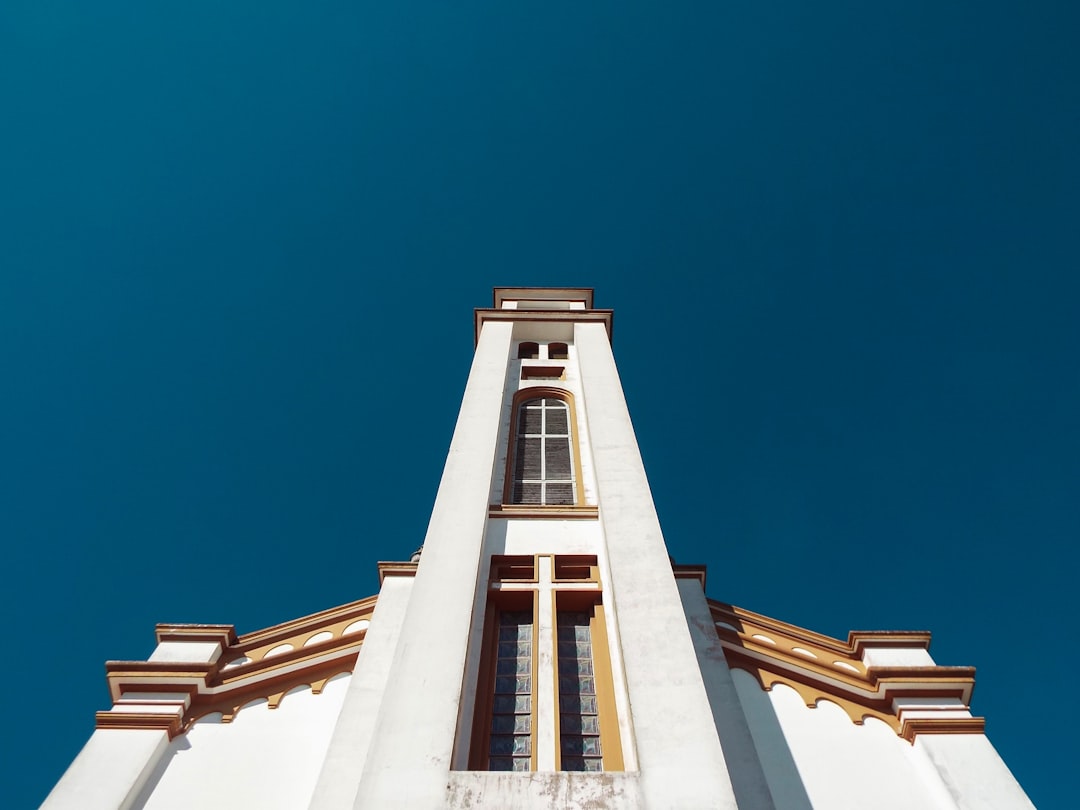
{"x":240,"y":244}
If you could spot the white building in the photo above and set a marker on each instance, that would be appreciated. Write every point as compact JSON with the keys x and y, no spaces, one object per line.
{"x":544,"y":652}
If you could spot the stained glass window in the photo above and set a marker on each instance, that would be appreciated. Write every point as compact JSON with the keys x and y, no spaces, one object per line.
{"x":510,"y":742}
{"x":579,"y":718}
{"x":543,"y":471}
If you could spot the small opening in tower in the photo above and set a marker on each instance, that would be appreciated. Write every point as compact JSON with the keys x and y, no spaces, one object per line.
{"x":528,"y":350}
{"x":558,"y":351}
{"x":516,"y":566}
{"x":575,"y":567}
{"x":543,"y":373}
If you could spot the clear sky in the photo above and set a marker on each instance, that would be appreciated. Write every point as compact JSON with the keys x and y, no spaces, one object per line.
{"x":240,"y":244}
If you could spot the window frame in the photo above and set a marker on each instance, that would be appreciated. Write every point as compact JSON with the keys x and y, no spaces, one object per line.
{"x":610,"y":741}
{"x":589,"y":598}
{"x":520,"y":398}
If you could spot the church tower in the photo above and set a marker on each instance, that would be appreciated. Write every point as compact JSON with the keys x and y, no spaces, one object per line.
{"x":544,"y":536}
{"x":540,"y":651}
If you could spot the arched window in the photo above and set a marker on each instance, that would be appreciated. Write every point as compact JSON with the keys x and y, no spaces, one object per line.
{"x":558,"y":351}
{"x":542,"y":464}
{"x":528,"y":350}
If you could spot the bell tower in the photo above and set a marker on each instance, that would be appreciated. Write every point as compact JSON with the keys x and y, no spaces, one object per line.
{"x":545,"y":631}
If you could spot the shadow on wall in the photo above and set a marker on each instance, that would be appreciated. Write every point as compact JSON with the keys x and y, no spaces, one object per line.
{"x":781,"y":773}
{"x":177,"y":744}
{"x":759,"y":760}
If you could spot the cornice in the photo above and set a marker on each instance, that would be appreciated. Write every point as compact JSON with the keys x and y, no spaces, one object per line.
{"x":819,"y":667}
{"x":265,"y":664}
{"x":482,"y":316}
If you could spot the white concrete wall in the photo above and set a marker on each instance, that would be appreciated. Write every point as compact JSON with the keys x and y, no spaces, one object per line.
{"x":340,"y":775}
{"x":473,"y":790}
{"x":418,"y":716}
{"x":744,"y":767}
{"x":265,"y":758}
{"x":572,"y":383}
{"x":972,"y":772}
{"x":110,"y":771}
{"x":677,"y":747}
{"x":818,"y":758}
{"x":897,"y":657}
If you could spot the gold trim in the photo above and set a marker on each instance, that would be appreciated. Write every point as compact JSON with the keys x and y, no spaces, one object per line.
{"x":539,"y":512}
{"x":610,"y":739}
{"x":860,"y":691}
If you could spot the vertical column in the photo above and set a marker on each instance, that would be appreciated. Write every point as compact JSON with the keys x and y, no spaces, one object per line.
{"x":545,"y":667}
{"x":682,"y":764}
{"x":110,"y":771}
{"x":747,"y":776}
{"x":973,"y":772}
{"x":349,"y":745}
{"x":419,"y":710}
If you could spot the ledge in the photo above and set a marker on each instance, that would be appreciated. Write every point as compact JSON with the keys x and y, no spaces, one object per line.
{"x":501,"y":510}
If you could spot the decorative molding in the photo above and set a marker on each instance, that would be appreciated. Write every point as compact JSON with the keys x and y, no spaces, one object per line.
{"x":538,"y":512}
{"x":396,"y":569}
{"x":689,"y":572}
{"x":947,"y":725}
{"x":225,"y":634}
{"x":482,"y":316}
{"x":819,"y":667}
{"x":265,"y":664}
{"x":140,"y":721}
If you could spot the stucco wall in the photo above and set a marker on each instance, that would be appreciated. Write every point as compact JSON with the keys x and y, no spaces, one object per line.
{"x":264,"y":758}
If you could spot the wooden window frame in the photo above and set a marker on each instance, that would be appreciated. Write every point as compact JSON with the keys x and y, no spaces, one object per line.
{"x":563,"y":599}
{"x":480,"y":742}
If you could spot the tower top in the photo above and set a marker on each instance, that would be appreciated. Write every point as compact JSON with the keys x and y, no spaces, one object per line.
{"x":543,"y":298}
{"x":566,"y":305}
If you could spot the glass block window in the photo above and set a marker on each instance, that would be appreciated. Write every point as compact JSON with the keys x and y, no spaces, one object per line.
{"x":543,"y":470}
{"x":510,"y":741}
{"x":579,"y":716}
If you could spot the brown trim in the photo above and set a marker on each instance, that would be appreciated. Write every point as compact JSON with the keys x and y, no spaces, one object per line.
{"x":396,"y":569}
{"x":690,"y":572}
{"x":570,"y":316}
{"x":573,"y":294}
{"x":479,"y":739}
{"x":946,"y":725}
{"x":539,"y":512}
{"x":225,"y":634}
{"x":543,"y":392}
{"x":169,"y":722}
{"x":543,"y":372}
{"x":863,"y":692}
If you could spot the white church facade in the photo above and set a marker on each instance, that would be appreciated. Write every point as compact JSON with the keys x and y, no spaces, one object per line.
{"x":541,"y":652}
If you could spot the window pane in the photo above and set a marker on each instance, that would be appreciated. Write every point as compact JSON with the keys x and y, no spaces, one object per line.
{"x":579,"y":722}
{"x":557,"y":422}
{"x":527,"y":460}
{"x":510,"y":739}
{"x":526,"y":493}
{"x":530,"y":419}
{"x":560,"y":494}
{"x":557,"y":456}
